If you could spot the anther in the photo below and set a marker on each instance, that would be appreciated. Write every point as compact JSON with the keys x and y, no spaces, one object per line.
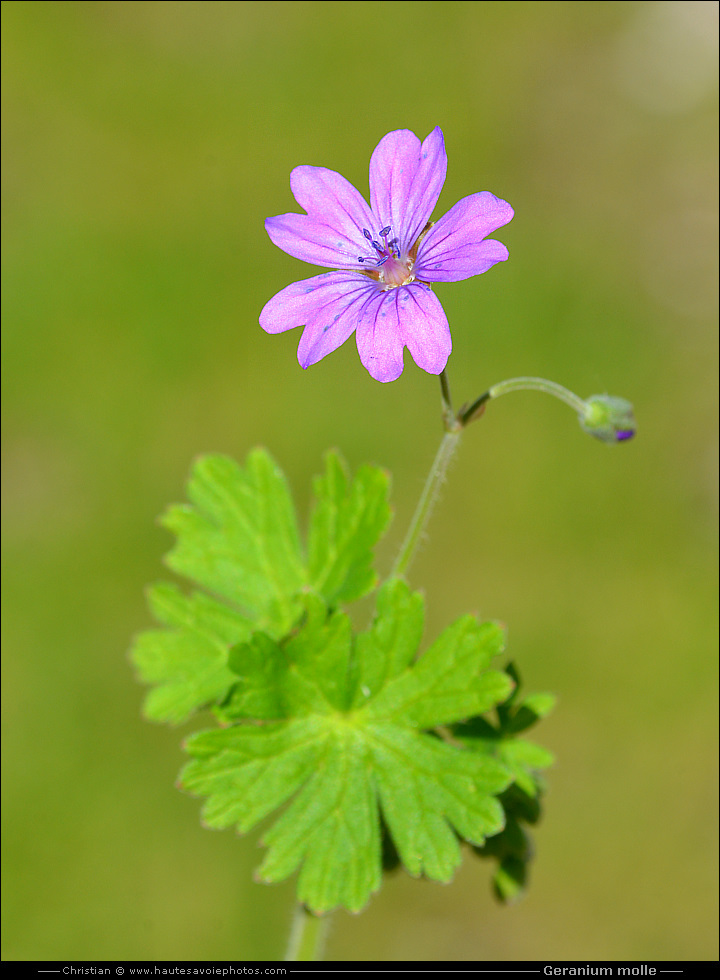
{"x":384,"y":251}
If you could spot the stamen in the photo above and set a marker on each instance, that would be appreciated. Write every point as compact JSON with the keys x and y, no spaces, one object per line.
{"x":386,"y":250}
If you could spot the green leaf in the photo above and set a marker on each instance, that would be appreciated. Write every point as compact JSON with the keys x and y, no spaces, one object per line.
{"x":260,"y":666}
{"x":539,"y":705}
{"x":525,"y":760}
{"x":238,"y":539}
{"x":431,"y":792}
{"x":510,"y":879}
{"x":188,"y":661}
{"x":348,"y":519}
{"x":529,"y":711}
{"x":512,"y":848}
{"x":515,"y":714}
{"x":341,"y":754}
{"x":447,"y":684}
{"x":330,"y":830}
{"x":307,"y":674}
{"x":386,"y":649}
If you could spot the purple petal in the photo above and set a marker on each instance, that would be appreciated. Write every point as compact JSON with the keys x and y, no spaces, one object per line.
{"x":424,"y":327}
{"x":331,"y":325}
{"x":406,"y":178}
{"x":311,"y":240}
{"x":331,"y":199}
{"x":408,"y":316}
{"x":379,"y":339}
{"x":331,"y":233}
{"x":304,"y":302}
{"x":454,"y":249}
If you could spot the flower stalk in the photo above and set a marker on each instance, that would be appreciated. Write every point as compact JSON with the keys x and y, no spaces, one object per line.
{"x":468,"y":413}
{"x":606,"y":417}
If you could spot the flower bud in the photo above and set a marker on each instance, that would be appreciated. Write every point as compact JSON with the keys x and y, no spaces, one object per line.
{"x":608,"y":418}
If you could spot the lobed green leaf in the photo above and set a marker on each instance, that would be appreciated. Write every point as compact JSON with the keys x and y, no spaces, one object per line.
{"x":345,"y":734}
{"x":238,"y":539}
{"x":348,"y":761}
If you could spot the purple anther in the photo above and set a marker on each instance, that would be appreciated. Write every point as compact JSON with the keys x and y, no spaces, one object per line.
{"x":624,"y":434}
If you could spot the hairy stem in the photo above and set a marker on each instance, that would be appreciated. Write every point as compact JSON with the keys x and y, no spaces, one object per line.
{"x":435,"y":479}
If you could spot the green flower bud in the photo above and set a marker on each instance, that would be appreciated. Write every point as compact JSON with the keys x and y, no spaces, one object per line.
{"x":608,"y":418}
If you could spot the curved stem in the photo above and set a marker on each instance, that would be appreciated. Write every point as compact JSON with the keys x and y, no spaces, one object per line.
{"x":466,"y":415}
{"x":539,"y":384}
{"x":307,"y":936}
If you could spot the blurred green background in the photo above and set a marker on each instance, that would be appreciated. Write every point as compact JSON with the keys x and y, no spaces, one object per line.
{"x":144,"y":145}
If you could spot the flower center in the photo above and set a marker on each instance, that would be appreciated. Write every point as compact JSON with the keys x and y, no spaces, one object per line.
{"x":391,"y":268}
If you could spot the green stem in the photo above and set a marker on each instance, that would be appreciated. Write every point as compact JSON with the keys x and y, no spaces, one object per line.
{"x":466,"y":415}
{"x":307,"y":936}
{"x":449,"y":419}
{"x":436,"y":476}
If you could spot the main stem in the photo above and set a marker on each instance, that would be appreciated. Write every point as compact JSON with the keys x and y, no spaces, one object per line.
{"x":307,"y":936}
{"x":434,"y":481}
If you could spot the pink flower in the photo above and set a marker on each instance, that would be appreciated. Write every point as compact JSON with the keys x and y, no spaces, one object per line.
{"x":386,"y":257}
